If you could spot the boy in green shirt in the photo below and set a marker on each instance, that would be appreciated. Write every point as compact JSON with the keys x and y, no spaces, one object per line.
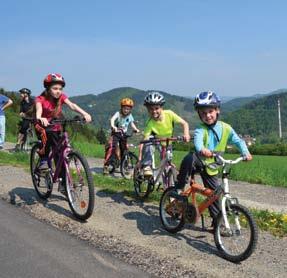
{"x":160,"y":124}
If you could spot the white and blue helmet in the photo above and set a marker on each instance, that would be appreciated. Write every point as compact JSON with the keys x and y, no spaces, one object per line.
{"x":154,"y":98}
{"x":206,"y":99}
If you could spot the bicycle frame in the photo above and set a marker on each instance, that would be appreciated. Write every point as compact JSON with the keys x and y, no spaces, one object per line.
{"x":166,"y":158}
{"x":63,"y":148}
{"x":213,"y":195}
{"x":119,"y":155}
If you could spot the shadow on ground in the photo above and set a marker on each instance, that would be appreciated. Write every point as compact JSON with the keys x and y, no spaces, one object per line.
{"x":29,"y":197}
{"x":148,"y":223}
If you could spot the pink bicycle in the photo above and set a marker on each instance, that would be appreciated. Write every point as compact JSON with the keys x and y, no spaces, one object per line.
{"x":78,"y":181}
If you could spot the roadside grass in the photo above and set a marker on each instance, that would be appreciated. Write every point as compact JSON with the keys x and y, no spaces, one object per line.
{"x":15,"y":159}
{"x":263,"y":169}
{"x":90,"y":149}
{"x":275,"y":223}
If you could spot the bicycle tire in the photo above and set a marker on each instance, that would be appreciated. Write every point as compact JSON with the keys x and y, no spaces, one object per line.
{"x":129,"y":161}
{"x":36,"y":178}
{"x":71,"y":188}
{"x":163,"y":211}
{"x":142,"y":186}
{"x":218,"y":238}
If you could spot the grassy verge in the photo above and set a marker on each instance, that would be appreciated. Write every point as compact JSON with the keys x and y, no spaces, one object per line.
{"x":275,"y":223}
{"x":15,"y":159}
{"x":263,"y":169}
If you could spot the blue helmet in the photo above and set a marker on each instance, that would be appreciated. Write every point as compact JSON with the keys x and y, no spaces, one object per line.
{"x":206,"y":99}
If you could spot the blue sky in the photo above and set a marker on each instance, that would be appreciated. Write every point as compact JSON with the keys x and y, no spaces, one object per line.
{"x":235,"y":48}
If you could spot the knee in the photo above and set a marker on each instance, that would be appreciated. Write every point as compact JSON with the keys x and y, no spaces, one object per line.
{"x":188,"y":159}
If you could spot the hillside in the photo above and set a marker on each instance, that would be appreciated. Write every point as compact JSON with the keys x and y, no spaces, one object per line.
{"x":238,"y":102}
{"x":103,"y":106}
{"x":260,"y":117}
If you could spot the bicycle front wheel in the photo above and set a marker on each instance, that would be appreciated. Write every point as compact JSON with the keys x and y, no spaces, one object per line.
{"x":143,"y":187}
{"x":79,"y":186}
{"x":171,"y":211}
{"x":237,"y":243}
{"x":128,"y":164}
{"x":42,"y":182}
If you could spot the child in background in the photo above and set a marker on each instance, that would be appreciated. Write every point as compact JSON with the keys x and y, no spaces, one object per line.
{"x":120,"y":122}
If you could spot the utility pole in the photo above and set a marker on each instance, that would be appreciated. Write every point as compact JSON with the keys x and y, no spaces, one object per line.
{"x":279,"y":119}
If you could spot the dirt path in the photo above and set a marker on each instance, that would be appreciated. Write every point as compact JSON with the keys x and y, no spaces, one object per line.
{"x":132,"y":232}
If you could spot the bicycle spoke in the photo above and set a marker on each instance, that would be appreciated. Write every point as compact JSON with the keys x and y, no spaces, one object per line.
{"x":79,"y":187}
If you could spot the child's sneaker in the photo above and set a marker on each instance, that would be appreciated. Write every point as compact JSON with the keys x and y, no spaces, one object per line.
{"x":17,"y":148}
{"x":43,"y":167}
{"x":147,"y":171}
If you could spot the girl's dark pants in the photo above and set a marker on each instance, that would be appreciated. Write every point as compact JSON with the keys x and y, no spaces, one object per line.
{"x":53,"y":140}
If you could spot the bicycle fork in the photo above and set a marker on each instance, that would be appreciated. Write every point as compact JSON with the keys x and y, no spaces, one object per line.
{"x":226,"y":200}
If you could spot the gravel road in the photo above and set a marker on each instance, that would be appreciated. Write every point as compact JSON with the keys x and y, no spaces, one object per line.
{"x":132,"y":231}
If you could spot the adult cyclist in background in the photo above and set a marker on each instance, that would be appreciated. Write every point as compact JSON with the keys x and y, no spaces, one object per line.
{"x":5,"y":102}
{"x":120,"y":122}
{"x":26,"y":107}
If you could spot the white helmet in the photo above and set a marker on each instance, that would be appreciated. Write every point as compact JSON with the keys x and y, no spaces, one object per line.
{"x":154,"y":98}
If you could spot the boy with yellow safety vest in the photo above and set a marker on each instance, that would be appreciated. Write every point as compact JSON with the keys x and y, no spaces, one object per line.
{"x":210,"y":136}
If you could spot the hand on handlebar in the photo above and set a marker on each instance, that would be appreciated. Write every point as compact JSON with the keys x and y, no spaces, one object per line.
{"x":206,"y":152}
{"x":186,"y":137}
{"x":136,"y":130}
{"x":248,"y":157}
{"x":43,"y":121}
{"x":87,"y":118}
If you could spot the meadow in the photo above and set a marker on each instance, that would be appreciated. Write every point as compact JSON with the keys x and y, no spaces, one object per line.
{"x":263,"y":169}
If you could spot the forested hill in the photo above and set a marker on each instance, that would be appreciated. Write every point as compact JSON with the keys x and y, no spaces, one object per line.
{"x":238,"y":102}
{"x":104,"y":105}
{"x":260,"y":117}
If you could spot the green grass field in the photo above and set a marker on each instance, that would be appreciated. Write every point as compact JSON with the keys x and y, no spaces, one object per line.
{"x":263,"y":169}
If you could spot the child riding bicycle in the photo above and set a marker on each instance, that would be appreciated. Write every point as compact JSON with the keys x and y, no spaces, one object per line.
{"x":160,"y":124}
{"x":210,"y":136}
{"x":49,"y":106}
{"x":120,"y":122}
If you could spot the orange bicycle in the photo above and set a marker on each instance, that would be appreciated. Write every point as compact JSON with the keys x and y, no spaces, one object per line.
{"x":235,"y":230}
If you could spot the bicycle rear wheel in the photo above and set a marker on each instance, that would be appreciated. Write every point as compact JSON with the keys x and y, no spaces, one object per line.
{"x":128,"y":164}
{"x":143,"y":187}
{"x":237,"y":243}
{"x":171,"y":211}
{"x":79,"y":186}
{"x":42,"y":182}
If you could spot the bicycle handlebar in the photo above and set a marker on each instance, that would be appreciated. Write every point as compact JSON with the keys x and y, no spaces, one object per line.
{"x":159,"y":140}
{"x":229,"y":161}
{"x":121,"y":132}
{"x":58,"y":121}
